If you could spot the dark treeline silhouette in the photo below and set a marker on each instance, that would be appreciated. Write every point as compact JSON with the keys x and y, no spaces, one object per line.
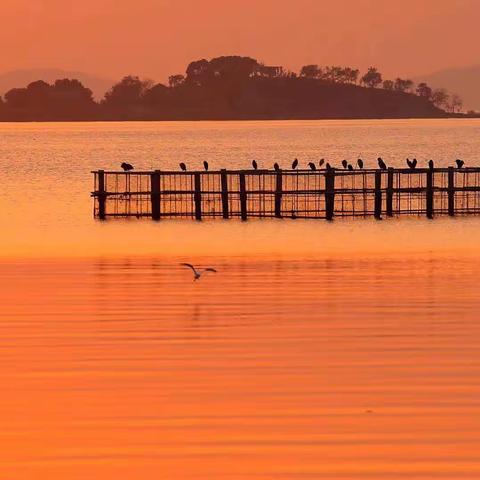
{"x":234,"y":87}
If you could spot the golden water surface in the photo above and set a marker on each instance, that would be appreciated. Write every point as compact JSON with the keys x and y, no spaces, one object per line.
{"x":347,"y":350}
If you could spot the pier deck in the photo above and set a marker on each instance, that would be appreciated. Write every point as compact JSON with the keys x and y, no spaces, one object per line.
{"x":322,"y":194}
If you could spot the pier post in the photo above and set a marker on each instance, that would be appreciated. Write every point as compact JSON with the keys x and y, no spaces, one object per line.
{"x":101,"y":195}
{"x":429,"y":194}
{"x":389,"y":195}
{"x":224,"y":182}
{"x":329,"y":193}
{"x":451,"y":191}
{"x":197,"y":196}
{"x":378,"y":195}
{"x":278,"y":195}
{"x":243,"y":196}
{"x":155,"y":194}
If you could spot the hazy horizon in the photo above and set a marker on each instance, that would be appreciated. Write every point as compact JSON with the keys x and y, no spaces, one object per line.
{"x":156,"y":38}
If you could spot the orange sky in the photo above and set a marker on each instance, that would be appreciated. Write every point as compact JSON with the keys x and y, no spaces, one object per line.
{"x":155,"y":38}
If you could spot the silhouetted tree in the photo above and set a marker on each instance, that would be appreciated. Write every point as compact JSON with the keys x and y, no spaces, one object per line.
{"x":310,"y":71}
{"x":402,"y":85}
{"x":388,"y":85}
{"x":456,"y":103}
{"x":423,"y":90}
{"x":129,"y":91}
{"x":175,"y":81}
{"x":440,"y":97}
{"x":372,"y":78}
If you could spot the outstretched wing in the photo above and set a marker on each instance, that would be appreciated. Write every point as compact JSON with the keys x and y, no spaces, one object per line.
{"x":189,"y":266}
{"x":210,"y":270}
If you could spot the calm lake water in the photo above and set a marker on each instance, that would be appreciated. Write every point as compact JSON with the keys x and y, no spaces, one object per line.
{"x":347,"y":350}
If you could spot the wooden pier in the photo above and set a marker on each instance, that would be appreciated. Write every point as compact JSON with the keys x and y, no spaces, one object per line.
{"x":322,"y":194}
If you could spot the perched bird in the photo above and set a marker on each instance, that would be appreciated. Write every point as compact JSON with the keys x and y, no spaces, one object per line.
{"x":410,"y":164}
{"x":381,"y":163}
{"x":254,"y":164}
{"x":126,"y":167}
{"x":350,"y":167}
{"x":360,"y":163}
{"x":345,"y":164}
{"x":430,"y":164}
{"x":294,"y":164}
{"x":328,"y":166}
{"x":205,"y":166}
{"x":183,"y":166}
{"x":460,"y":163}
{"x":197,"y":273}
{"x":276,"y":166}
{"x":312,"y":166}
{"x":321,"y":162}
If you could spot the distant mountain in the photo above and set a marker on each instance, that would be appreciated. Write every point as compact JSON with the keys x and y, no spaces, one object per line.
{"x":21,"y":78}
{"x":464,"y":81}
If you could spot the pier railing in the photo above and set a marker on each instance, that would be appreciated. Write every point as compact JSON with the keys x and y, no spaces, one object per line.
{"x":286,"y":193}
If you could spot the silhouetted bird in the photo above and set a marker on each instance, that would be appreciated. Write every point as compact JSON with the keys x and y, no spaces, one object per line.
{"x":126,"y":167}
{"x":321,"y":162}
{"x":360,"y":163}
{"x":205,"y":166}
{"x":254,"y":164}
{"x":345,"y":164}
{"x":312,"y":166}
{"x":430,"y":164}
{"x":350,"y":167}
{"x":183,"y":166}
{"x":381,"y":164}
{"x":294,"y":164}
{"x":412,"y":163}
{"x":276,"y":166}
{"x":197,"y":273}
{"x":460,"y":163}
{"x":328,"y":166}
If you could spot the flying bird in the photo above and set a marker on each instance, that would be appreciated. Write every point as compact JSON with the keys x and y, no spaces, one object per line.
{"x":321,"y":162}
{"x":360,"y":163}
{"x":294,"y":164}
{"x":197,"y":273}
{"x":345,"y":164}
{"x":254,"y":164}
{"x":430,"y":164}
{"x":126,"y":167}
{"x":276,"y":166}
{"x":460,"y":163}
{"x":183,"y":166}
{"x":312,"y":166}
{"x":381,"y":163}
{"x":205,"y":165}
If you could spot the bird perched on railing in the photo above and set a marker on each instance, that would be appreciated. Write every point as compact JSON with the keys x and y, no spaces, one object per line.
{"x":254,"y":164}
{"x":295,"y":164}
{"x":126,"y":167}
{"x":312,"y":166}
{"x":205,"y":165}
{"x":412,"y":164}
{"x":345,"y":164}
{"x":430,"y":164}
{"x":328,"y":166}
{"x":183,"y":167}
{"x":276,"y":166}
{"x":360,"y":163}
{"x":381,"y":163}
{"x":460,"y":163}
{"x":350,"y":167}
{"x":321,"y":162}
